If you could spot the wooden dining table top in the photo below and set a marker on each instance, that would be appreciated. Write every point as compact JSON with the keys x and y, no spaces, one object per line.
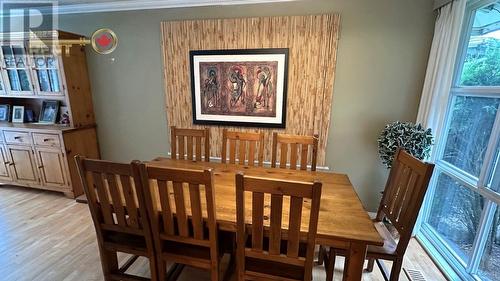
{"x":342,"y":218}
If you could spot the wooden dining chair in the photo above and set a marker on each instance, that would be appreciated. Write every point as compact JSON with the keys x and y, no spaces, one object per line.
{"x":295,"y":144}
{"x":403,"y":196}
{"x":254,"y":142}
{"x":189,"y":143}
{"x":181,"y":233}
{"x":266,"y":251}
{"x":116,"y":203}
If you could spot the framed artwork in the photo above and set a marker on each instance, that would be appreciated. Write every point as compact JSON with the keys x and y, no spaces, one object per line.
{"x":239,"y":87}
{"x":18,"y":114}
{"x":48,"y":114}
{"x":4,"y":112}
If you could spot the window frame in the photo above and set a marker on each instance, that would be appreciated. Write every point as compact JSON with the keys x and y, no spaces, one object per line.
{"x":440,"y":251}
{"x":473,"y":91}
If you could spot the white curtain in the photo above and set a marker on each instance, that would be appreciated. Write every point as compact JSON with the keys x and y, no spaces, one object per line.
{"x":440,"y":68}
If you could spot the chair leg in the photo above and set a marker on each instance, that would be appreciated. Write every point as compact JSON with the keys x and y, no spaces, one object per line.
{"x":214,"y":272}
{"x":396,"y":269}
{"x":109,"y":262}
{"x":371,"y":263}
{"x":153,"y":268}
{"x":161,"y":268}
{"x":321,"y":255}
{"x":330,"y":266}
{"x":240,"y":264}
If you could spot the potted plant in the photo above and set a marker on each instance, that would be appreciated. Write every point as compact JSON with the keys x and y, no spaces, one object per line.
{"x":411,"y":137}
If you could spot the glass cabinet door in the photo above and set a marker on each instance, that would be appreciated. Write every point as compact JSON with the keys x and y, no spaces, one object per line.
{"x":46,"y":74}
{"x":17,"y":74}
{"x":2,"y":84}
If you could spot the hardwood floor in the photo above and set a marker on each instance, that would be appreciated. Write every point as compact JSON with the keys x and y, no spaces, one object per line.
{"x":46,"y":236}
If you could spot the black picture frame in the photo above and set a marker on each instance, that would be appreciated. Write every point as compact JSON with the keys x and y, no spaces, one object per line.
{"x":280,"y":73}
{"x":29,"y":116}
{"x":4,"y":112}
{"x":49,"y":112}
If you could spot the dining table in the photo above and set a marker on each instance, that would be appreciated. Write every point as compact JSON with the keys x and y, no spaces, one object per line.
{"x":343,"y":222}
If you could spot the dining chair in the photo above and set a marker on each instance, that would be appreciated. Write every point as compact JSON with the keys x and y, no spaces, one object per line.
{"x":403,"y":196}
{"x":295,"y":144}
{"x":116,"y":203}
{"x":264,"y":249}
{"x":254,"y":142}
{"x":189,"y":143}
{"x":181,"y":233}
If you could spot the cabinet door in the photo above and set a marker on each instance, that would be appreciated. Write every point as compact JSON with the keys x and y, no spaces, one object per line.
{"x":17,"y":70}
{"x":4,"y":165}
{"x":3,"y":89}
{"x":46,"y":75}
{"x":22,"y":164}
{"x":51,"y":167}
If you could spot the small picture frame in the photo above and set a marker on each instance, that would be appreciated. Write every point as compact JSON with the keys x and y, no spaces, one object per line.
{"x":4,"y":113}
{"x":63,"y":115}
{"x":48,"y":114}
{"x":29,"y":116}
{"x":18,"y":114}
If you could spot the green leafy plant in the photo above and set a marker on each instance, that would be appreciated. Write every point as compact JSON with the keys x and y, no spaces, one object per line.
{"x":411,"y":137}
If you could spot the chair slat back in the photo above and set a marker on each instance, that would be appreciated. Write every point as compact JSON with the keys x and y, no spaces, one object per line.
{"x":296,"y":148}
{"x":181,"y":205}
{"x":404,"y":193}
{"x":278,"y":190}
{"x":114,"y":195}
{"x":244,"y":147}
{"x":189,"y":143}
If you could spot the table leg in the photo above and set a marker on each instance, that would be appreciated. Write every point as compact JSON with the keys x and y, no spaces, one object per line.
{"x":355,"y":260}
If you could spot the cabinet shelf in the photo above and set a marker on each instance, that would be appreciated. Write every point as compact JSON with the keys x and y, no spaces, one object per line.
{"x":58,"y":97}
{"x":41,"y":126}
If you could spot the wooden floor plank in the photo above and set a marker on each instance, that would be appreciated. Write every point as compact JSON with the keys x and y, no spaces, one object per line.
{"x":46,"y":236}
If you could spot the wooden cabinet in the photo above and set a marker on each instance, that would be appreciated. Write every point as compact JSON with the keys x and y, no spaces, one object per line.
{"x":22,"y":164}
{"x":41,"y":155}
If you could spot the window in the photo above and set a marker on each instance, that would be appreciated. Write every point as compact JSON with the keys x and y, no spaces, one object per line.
{"x":460,"y":218}
{"x":489,"y":268}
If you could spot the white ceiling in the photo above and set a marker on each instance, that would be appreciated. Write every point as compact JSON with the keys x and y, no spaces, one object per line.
{"x":92,"y":6}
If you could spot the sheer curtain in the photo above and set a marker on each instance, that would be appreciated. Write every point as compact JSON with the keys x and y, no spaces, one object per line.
{"x":440,"y":68}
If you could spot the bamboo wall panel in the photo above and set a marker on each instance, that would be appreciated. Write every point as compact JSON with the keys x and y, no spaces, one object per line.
{"x":312,"y":42}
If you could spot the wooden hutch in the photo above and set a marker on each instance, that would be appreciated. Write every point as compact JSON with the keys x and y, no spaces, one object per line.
{"x":41,"y":155}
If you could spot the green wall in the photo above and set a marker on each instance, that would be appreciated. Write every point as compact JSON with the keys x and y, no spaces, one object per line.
{"x":382,"y":56}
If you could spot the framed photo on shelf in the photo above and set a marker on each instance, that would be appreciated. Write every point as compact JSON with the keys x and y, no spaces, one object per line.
{"x":239,"y":87}
{"x":63,"y":115}
{"x":48,"y":113}
{"x":4,"y":112}
{"x":18,"y":114}
{"x":30,"y":116}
